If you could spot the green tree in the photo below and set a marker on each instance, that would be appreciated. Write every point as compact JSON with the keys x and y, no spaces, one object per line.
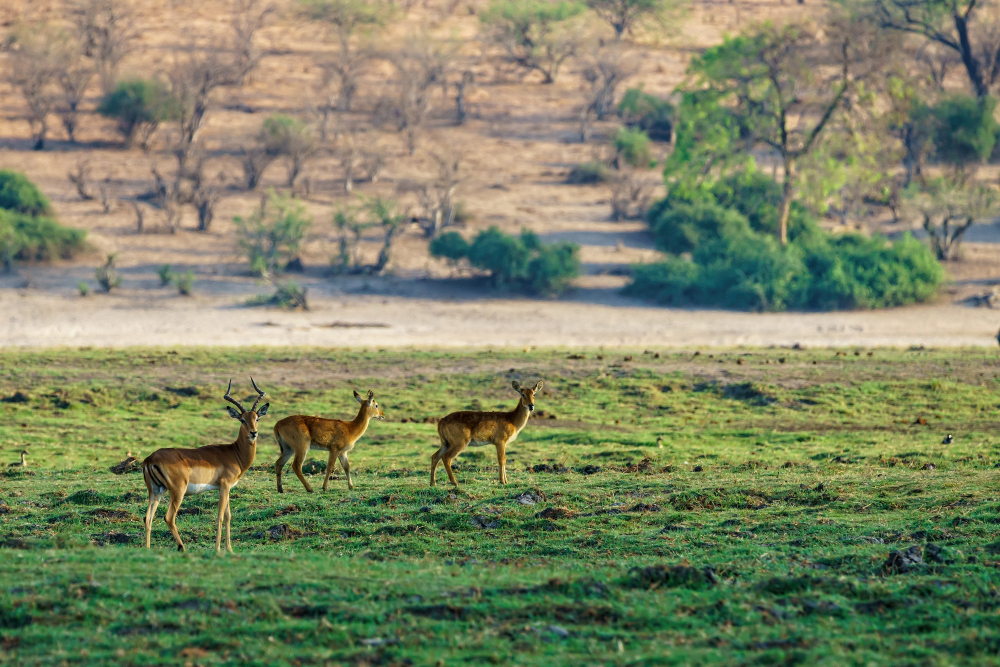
{"x":139,"y":107}
{"x":776,"y":88}
{"x":291,"y":138}
{"x":534,"y":34}
{"x":272,"y":235}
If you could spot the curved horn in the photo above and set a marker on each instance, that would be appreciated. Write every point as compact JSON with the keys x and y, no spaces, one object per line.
{"x":260,"y":393}
{"x":231,"y":399}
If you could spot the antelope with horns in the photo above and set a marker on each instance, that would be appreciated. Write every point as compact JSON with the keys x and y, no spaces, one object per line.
{"x":297,"y":434}
{"x":215,"y":467}
{"x":462,"y":429}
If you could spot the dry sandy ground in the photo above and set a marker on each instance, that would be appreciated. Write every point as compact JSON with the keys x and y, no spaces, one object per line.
{"x":515,"y":152}
{"x":591,"y":317}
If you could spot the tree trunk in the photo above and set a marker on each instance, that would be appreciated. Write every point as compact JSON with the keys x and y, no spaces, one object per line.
{"x":786,"y":200}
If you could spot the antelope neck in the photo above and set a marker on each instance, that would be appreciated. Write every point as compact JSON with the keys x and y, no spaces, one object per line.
{"x":519,"y":415}
{"x":361,"y":421}
{"x":245,"y":451}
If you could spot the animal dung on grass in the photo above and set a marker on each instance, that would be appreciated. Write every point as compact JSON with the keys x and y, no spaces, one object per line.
{"x":671,"y":576}
{"x":903,"y":561}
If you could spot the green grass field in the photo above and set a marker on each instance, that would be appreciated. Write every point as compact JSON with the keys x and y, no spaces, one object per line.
{"x":757,"y":534}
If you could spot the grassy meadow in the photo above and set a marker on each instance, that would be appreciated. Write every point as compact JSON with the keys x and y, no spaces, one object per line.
{"x":760,"y":529}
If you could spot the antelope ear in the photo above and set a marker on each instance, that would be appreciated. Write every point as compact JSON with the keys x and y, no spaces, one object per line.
{"x":358,"y":398}
{"x":537,"y":386}
{"x":234,"y":414}
{"x":371,"y":394}
{"x":263,"y":410}
{"x":516,"y":386}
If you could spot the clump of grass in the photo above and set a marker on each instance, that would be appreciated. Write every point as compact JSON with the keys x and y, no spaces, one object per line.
{"x":185,"y":283}
{"x":166,"y":275}
{"x":588,"y":173}
{"x":289,"y":295}
{"x":83,"y":287}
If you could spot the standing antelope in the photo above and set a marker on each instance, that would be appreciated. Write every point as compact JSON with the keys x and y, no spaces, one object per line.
{"x":183,"y":471}
{"x":297,"y":434}
{"x":461,"y":429}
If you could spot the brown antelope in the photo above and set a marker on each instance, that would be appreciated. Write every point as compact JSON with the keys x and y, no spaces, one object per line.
{"x":462,"y":429}
{"x":297,"y":434}
{"x":184,"y":471}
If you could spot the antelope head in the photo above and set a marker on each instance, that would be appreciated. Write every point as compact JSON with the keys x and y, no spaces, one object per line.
{"x":248,"y":418}
{"x":370,"y":405}
{"x":527,"y":395}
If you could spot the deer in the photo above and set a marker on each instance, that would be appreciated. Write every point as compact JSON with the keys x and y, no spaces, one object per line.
{"x":477,"y":429}
{"x":297,"y":434}
{"x":209,"y":468}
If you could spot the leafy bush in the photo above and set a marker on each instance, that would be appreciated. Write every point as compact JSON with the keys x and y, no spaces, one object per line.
{"x":749,"y":192}
{"x":20,"y":195}
{"x":530,"y":34}
{"x":648,"y":113}
{"x":139,"y":107}
{"x":36,"y":238}
{"x":734,"y":261}
{"x":753,"y":272}
{"x":965,"y":129}
{"x":587,"y":173}
{"x":515,"y":262}
{"x":272,"y":235}
{"x":632,"y":146}
{"x":450,"y":245}
{"x":291,"y":138}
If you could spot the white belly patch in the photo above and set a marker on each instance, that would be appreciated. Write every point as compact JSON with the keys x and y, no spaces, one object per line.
{"x":200,"y":488}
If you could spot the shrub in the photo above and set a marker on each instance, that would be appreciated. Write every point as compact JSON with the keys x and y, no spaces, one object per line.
{"x":965,"y":129}
{"x":139,"y":107}
{"x":286,"y":295}
{"x":166,"y":275}
{"x":648,"y":113}
{"x":684,"y":227}
{"x":271,"y":236}
{"x":83,"y":287}
{"x":36,"y":238}
{"x":632,"y":146}
{"x":752,"y":272}
{"x":20,"y":195}
{"x":530,"y":34}
{"x":522,"y":262}
{"x":728,"y":230}
{"x":451,"y":246}
{"x":587,"y":173}
{"x":107,"y":275}
{"x":185,"y":284}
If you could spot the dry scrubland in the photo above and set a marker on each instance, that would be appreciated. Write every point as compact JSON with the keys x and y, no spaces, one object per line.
{"x":516,"y":148}
{"x":802,"y":509}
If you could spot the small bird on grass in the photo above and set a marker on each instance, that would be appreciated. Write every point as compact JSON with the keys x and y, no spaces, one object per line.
{"x":948,"y":439}
{"x":22,"y":463}
{"x":659,"y":441}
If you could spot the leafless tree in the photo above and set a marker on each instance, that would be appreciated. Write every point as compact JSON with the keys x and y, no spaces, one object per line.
{"x":36,"y":61}
{"x":255,"y":159}
{"x":420,"y":66}
{"x":348,"y":153}
{"x":199,"y":73}
{"x":74,"y":77}
{"x":107,"y":31}
{"x":81,"y":179}
{"x":462,"y":84}
{"x":603,"y":70}
{"x":437,"y":196}
{"x":102,"y":191}
{"x":630,"y":194}
{"x":345,"y":19}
